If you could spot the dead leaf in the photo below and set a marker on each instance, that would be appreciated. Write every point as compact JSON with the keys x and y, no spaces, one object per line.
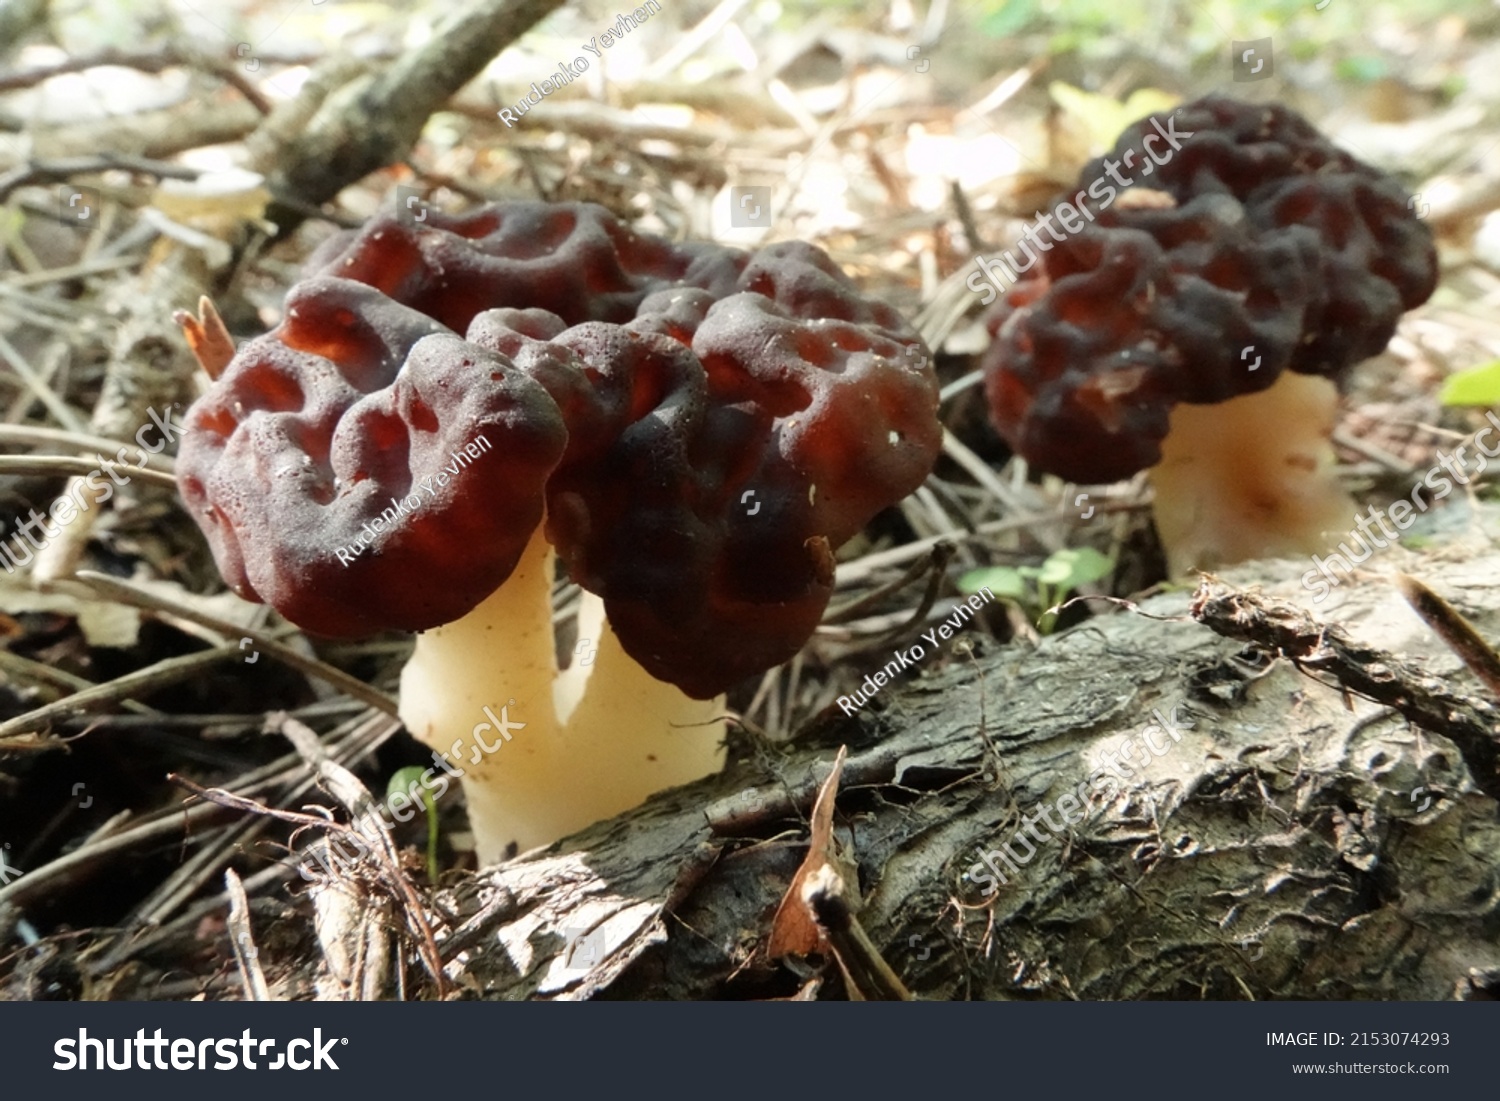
{"x":794,"y":929}
{"x":207,"y":338}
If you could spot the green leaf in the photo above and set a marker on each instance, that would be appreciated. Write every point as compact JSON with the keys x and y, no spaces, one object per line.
{"x":1147,"y":101}
{"x":1473,"y":386}
{"x":1362,"y":68}
{"x":408,"y":781}
{"x":1104,"y":117}
{"x":1069,"y":568}
{"x":1000,"y":580}
{"x":1009,"y":19}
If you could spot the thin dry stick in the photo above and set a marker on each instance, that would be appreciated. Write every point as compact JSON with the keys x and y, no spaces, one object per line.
{"x":346,"y":787}
{"x":148,"y":922}
{"x":855,"y":572}
{"x":862,"y":962}
{"x":857,"y":606}
{"x":1390,"y":462}
{"x":129,"y":686}
{"x":190,"y":917}
{"x":162,"y":823}
{"x":186,"y":879}
{"x":941,"y":555}
{"x":48,"y":465}
{"x":29,"y":435}
{"x":25,"y":669}
{"x":981,"y":472}
{"x":95,"y":266}
{"x":965,"y":212}
{"x":246,"y":955}
{"x":230,"y":801}
{"x":126,"y":593}
{"x":43,"y":393}
{"x":1453,"y":629}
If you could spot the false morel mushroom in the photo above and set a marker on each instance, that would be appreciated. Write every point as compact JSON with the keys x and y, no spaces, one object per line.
{"x":1198,"y":324}
{"x":691,"y":430}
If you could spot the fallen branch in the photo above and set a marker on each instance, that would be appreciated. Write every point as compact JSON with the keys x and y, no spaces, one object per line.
{"x":376,"y":119}
{"x":1374,"y":674}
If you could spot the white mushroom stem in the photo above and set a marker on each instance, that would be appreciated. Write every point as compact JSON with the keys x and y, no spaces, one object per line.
{"x":1251,"y":477}
{"x":597,"y":739}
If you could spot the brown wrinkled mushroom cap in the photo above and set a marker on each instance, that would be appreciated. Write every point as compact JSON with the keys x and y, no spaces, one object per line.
{"x":354,"y":407}
{"x":705,"y":427}
{"x":1276,"y":240}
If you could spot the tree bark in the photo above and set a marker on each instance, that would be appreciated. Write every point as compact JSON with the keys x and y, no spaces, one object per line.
{"x":1298,"y":841}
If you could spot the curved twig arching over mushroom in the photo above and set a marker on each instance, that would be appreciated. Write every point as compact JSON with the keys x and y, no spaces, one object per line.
{"x":1198,"y":326}
{"x":691,"y":430}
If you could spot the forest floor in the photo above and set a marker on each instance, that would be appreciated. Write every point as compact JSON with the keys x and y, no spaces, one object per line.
{"x":902,"y":149}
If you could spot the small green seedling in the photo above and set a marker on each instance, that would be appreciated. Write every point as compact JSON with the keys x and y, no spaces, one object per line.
{"x":408,"y":781}
{"x":1054,"y":579}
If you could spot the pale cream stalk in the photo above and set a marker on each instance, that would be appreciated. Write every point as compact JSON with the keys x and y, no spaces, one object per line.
{"x":598,"y":739}
{"x":1251,"y":477}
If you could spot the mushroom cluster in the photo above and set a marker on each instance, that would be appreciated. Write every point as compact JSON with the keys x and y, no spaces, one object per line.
{"x":1197,"y":326}
{"x":690,"y":429}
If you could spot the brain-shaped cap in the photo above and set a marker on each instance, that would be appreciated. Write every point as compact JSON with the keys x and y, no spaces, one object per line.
{"x":1261,"y":244}
{"x":703,"y":426}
